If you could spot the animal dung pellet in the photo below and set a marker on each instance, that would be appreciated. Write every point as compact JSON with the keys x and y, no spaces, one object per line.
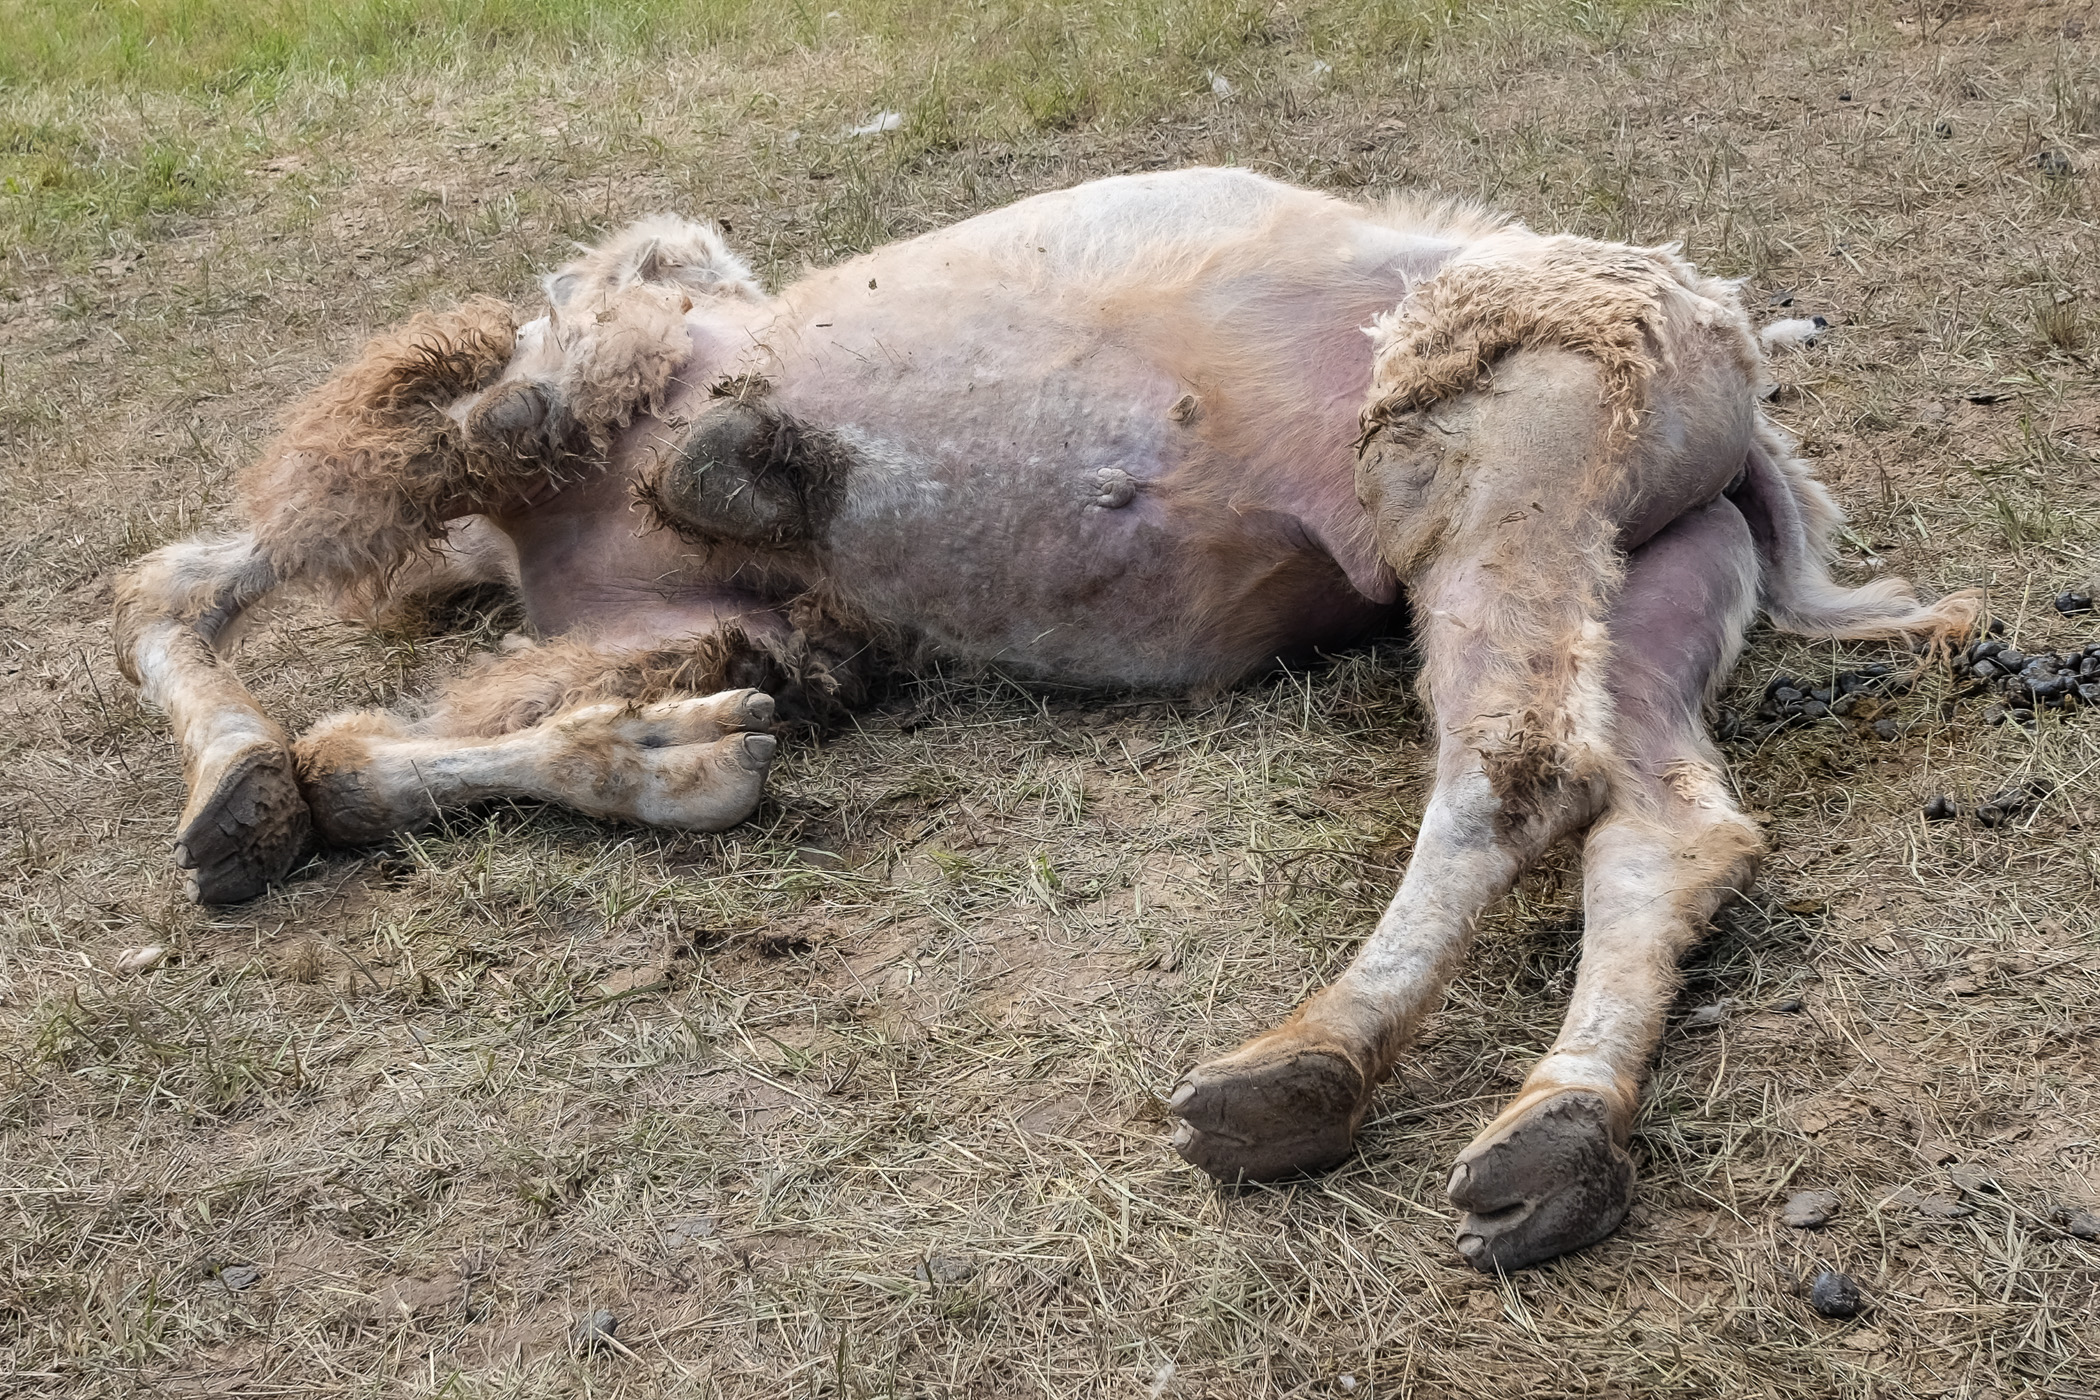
{"x":1809,"y":1210}
{"x":2026,"y":684}
{"x":1861,"y":695}
{"x":2016,"y":800}
{"x":141,"y":959}
{"x":2071,"y":602}
{"x":1834,"y":1295}
{"x":1941,"y":808}
{"x":2080,"y":1224}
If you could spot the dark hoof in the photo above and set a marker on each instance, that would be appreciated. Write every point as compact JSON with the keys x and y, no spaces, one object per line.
{"x":245,"y":833}
{"x":1553,"y":1181}
{"x":1264,"y":1113}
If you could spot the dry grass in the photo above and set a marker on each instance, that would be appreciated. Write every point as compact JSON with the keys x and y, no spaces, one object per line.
{"x":860,"y":1100}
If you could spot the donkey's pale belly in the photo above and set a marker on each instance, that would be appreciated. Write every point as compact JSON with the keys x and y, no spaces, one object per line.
{"x":1086,"y":465}
{"x":1042,"y":567}
{"x":1110,"y":543}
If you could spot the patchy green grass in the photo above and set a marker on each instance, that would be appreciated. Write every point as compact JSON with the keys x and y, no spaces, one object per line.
{"x":114,"y":116}
{"x":860,"y":1099}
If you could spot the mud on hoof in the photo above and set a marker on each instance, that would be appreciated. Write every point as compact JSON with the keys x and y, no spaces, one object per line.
{"x":1269,"y":1111}
{"x":1552,"y":1181}
{"x":245,"y":827}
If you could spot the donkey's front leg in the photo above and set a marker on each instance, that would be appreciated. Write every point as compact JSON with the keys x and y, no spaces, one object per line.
{"x":690,"y":762}
{"x":244,"y":824}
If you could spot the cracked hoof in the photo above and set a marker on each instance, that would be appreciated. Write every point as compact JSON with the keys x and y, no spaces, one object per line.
{"x":1553,"y":1180}
{"x":1269,"y":1110}
{"x":245,"y":829}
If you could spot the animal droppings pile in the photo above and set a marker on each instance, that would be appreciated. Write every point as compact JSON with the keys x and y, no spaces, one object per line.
{"x":2026,"y":683}
{"x":1863,"y":695}
{"x":1997,"y":809}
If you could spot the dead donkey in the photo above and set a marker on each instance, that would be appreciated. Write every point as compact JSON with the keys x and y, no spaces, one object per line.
{"x":1130,"y":433}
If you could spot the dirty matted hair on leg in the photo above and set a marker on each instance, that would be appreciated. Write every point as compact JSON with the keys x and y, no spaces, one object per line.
{"x":369,"y":466}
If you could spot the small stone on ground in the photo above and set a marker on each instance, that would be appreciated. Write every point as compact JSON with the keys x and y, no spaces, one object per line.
{"x":239,"y":1278}
{"x":594,"y":1329}
{"x":689,"y":1230}
{"x":1970,"y":1180}
{"x":143,"y":959}
{"x":1809,"y":1210}
{"x":946,"y":1270}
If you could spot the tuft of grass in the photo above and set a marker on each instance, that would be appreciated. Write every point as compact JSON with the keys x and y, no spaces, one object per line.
{"x":58,"y":185}
{"x":974,"y":72}
{"x":226,"y":45}
{"x":2061,"y":324}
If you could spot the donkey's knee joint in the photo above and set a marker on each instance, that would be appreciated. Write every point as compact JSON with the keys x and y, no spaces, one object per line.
{"x":1539,"y":785}
{"x":335,"y":767}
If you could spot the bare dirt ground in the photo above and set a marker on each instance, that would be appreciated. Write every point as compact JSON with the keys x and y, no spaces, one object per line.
{"x":862,"y":1099}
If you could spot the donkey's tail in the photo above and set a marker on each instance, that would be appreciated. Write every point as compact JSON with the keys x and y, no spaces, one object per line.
{"x":1793,"y":517}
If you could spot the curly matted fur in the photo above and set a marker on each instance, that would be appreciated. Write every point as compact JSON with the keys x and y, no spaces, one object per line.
{"x":370,"y":466}
{"x":1515,"y":289}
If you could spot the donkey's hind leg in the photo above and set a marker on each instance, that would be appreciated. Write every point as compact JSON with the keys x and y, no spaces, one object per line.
{"x":1506,"y":509}
{"x":1510,"y":601}
{"x":1551,"y":1173}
